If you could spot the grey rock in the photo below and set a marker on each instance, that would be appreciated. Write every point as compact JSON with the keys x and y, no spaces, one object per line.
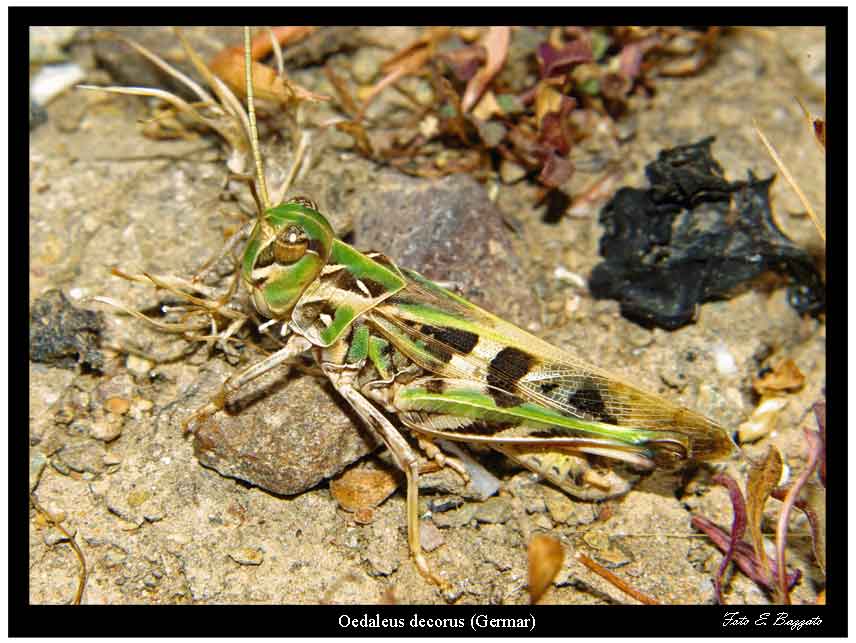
{"x":494,"y":510}
{"x":456,"y":518}
{"x":288,"y":441}
{"x":37,"y":465}
{"x":448,"y":230}
{"x":127,"y":67}
{"x":63,"y":335}
{"x":84,"y":456}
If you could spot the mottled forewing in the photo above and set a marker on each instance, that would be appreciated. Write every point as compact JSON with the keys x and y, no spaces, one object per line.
{"x":465,"y":342}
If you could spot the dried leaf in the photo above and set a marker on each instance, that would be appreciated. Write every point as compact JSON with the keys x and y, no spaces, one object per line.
{"x":430,"y":38}
{"x":358,"y":132}
{"x":744,"y":555}
{"x":762,"y":480}
{"x":404,"y":66}
{"x":762,"y":420}
{"x":345,"y":99}
{"x":409,"y":60}
{"x":604,"y":573}
{"x":546,"y":556}
{"x":465,"y":62}
{"x":556,"y":171}
{"x":487,"y":107}
{"x":261,"y":45}
{"x":496,"y":44}
{"x":552,"y":109}
{"x":784,"y":376}
{"x":820,"y":416}
{"x":632,"y":54}
{"x":615,"y":86}
{"x":630,"y":60}
{"x":358,"y":489}
{"x":738,"y":526}
{"x":548,"y":100}
{"x":814,"y":508}
{"x":553,"y":62}
{"x":790,"y":499}
{"x":228,"y":65}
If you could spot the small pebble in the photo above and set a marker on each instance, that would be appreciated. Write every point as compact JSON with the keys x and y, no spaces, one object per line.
{"x":138,"y":365}
{"x":559,"y":506}
{"x":366,"y":65}
{"x":444,"y":503}
{"x":37,"y":466}
{"x":53,"y":80}
{"x":53,"y":537}
{"x":106,"y":428}
{"x":494,"y":510}
{"x":596,"y":539}
{"x":455,"y":518}
{"x":430,"y":537}
{"x":82,"y":457}
{"x":247,"y":556}
{"x":117,"y":405}
{"x":111,"y":459}
{"x":364,"y":516}
{"x":540,"y":521}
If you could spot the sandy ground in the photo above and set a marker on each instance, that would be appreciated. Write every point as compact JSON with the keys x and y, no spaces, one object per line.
{"x":157,"y":527}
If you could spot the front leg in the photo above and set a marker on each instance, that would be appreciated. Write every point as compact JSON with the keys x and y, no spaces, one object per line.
{"x":405,"y":459}
{"x":295,"y":346}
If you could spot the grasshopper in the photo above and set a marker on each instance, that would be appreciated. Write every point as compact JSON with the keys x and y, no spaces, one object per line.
{"x":414,"y":359}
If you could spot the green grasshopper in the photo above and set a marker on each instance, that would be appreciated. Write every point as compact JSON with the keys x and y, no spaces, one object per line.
{"x":407,"y":352}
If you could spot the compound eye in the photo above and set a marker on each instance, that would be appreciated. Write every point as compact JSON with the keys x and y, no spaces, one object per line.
{"x":304,"y":201}
{"x":290,"y":245}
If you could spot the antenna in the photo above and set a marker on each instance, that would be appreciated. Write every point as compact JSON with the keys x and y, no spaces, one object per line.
{"x":254,"y":132}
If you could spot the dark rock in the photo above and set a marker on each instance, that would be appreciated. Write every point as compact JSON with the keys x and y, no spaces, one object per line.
{"x":694,"y":237}
{"x":63,"y":335}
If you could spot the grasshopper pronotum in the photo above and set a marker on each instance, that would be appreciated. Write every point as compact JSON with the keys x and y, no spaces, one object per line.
{"x":415,"y":359}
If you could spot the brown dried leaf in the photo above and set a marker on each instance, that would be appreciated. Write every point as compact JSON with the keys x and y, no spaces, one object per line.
{"x":487,"y":107}
{"x":785,"y":376}
{"x":228,"y":65}
{"x":261,"y":45}
{"x":495,"y":43}
{"x":403,"y":66}
{"x":556,"y":171}
{"x":358,"y":132}
{"x":820,"y":416}
{"x":546,"y":556}
{"x":761,"y":481}
{"x":548,"y":99}
{"x":554,"y":61}
{"x":615,"y":86}
{"x":738,"y":526}
{"x":763,"y":419}
{"x":465,"y":62}
{"x":345,"y":99}
{"x":360,"y":489}
{"x":815,"y":509}
{"x":815,"y":448}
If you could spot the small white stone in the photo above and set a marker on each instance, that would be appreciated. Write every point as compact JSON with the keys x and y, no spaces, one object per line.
{"x":563,"y":274}
{"x":724,"y":360}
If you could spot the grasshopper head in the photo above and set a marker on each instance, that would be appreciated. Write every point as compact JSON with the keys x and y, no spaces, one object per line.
{"x":286,"y":252}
